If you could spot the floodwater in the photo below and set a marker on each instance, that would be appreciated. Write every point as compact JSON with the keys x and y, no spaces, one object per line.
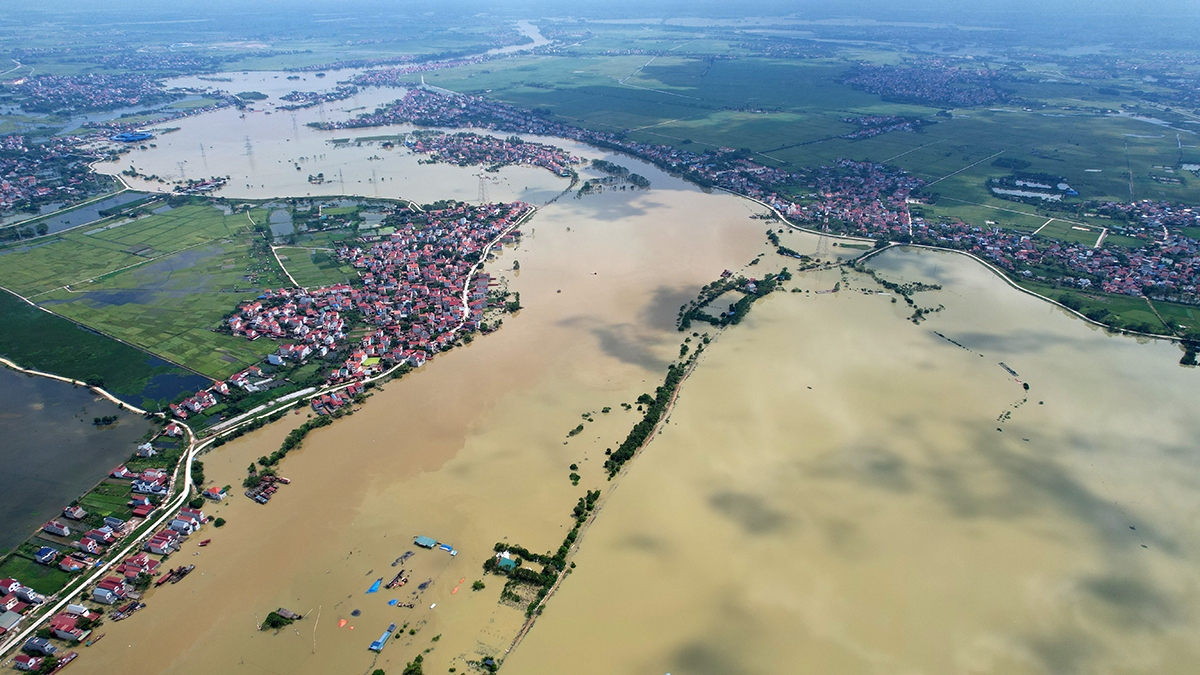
{"x":83,"y":215}
{"x":52,"y":453}
{"x":839,"y":490}
{"x":529,"y":30}
{"x":472,"y":449}
{"x":272,"y":155}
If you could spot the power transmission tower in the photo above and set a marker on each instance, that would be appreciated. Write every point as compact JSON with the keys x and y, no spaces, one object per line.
{"x":823,"y":242}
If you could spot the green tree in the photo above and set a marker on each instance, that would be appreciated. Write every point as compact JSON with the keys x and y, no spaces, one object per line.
{"x":414,"y":667}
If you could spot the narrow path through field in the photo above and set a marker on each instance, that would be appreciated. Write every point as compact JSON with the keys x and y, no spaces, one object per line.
{"x":971,"y":166}
{"x":1024,"y":213}
{"x":913,"y":150}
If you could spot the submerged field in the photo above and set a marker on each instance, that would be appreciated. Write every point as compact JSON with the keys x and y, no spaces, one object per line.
{"x":161,"y":282}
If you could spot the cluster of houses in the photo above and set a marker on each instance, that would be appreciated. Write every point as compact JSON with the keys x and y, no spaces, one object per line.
{"x":469,"y":149}
{"x":311,"y":318}
{"x":15,"y":599}
{"x":414,"y":283}
{"x":93,"y":541}
{"x":200,"y":401}
{"x":73,"y":624}
{"x":861,"y":198}
{"x":326,"y":404}
{"x":42,"y":173}
{"x":931,"y":80}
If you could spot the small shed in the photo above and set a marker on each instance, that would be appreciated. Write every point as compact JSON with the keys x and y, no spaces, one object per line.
{"x":506,"y":564}
{"x":425,"y":542}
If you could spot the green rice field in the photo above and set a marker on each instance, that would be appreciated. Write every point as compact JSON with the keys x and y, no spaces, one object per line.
{"x":161,"y":282}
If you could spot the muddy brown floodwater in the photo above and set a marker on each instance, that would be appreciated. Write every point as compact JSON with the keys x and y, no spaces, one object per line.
{"x":838,"y":490}
{"x":472,"y":449}
{"x":833,"y":495}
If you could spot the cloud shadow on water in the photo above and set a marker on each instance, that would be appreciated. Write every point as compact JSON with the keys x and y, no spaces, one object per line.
{"x":663,"y":309}
{"x":867,"y":464}
{"x":750,"y":512}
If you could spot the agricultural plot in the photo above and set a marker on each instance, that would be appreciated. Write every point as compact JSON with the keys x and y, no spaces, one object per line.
{"x":313,"y":267}
{"x":46,"y":342}
{"x":697,"y":103}
{"x":162,"y":282}
{"x":1121,"y":310}
{"x":41,"y":578}
{"x":1078,"y":234}
{"x":110,"y":498}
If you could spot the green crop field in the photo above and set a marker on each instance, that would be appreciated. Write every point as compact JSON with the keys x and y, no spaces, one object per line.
{"x":312,"y":268}
{"x":110,"y":498}
{"x":1123,"y":311}
{"x":790,"y":113}
{"x":1073,"y":233}
{"x":40,"y":340}
{"x":161,"y":282}
{"x":41,"y":578}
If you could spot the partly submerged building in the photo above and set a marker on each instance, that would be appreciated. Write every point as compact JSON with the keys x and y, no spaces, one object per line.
{"x":132,"y":137}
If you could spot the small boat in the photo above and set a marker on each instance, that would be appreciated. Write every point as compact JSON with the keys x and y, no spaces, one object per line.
{"x":181,"y":572}
{"x":94,"y":640}
{"x":377,"y":646}
{"x":205,"y":542}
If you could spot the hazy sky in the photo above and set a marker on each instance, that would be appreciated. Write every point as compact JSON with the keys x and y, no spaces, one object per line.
{"x":1170,"y":22}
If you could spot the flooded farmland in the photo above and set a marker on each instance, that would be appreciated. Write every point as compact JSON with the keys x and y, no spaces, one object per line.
{"x":471,"y":449}
{"x":51,"y":452}
{"x":841,"y":491}
{"x":838,"y":490}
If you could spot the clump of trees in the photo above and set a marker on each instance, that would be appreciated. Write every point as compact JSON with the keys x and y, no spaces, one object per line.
{"x":654,"y":408}
{"x":752,"y":290}
{"x":552,"y":564}
{"x":275,"y":621}
{"x":291,"y":442}
{"x":105,"y":421}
